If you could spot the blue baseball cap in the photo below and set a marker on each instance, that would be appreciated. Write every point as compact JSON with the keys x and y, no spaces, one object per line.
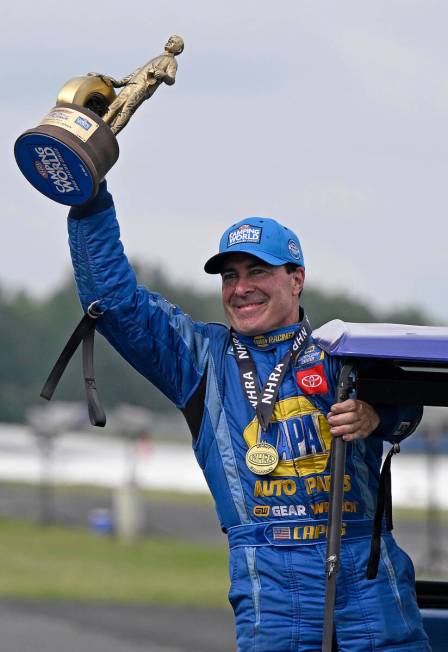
{"x":262,"y":237}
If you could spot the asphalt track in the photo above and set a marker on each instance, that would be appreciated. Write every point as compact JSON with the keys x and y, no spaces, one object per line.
{"x":39,"y":626}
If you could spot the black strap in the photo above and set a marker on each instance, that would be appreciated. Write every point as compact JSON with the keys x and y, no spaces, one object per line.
{"x":85,"y":333}
{"x":97,"y":415}
{"x":263,"y":401}
{"x":383,"y":508}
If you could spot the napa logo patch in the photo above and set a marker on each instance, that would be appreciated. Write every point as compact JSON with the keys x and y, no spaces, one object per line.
{"x":301,"y":435}
{"x":245,"y":233}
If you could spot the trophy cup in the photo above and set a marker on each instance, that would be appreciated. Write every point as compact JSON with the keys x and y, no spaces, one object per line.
{"x":71,"y":150}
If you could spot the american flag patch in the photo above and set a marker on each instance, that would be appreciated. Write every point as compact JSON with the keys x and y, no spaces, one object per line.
{"x":281,"y":533}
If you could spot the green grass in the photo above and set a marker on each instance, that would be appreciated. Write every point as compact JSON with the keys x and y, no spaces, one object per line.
{"x":57,"y":563}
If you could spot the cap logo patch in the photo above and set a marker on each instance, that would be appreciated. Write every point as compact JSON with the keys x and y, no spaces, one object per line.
{"x":294,"y":248}
{"x":245,"y":233}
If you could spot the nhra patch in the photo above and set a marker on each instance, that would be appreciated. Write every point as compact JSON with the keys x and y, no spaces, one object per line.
{"x":245,"y":233}
{"x":312,"y":380}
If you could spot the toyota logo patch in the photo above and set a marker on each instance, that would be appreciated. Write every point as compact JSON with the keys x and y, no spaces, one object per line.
{"x":312,"y":380}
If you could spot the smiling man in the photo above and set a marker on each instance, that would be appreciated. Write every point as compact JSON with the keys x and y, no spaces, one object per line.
{"x":259,"y":401}
{"x":258,"y":297}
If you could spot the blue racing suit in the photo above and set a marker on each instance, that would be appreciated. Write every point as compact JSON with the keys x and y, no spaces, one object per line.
{"x":276,"y":523}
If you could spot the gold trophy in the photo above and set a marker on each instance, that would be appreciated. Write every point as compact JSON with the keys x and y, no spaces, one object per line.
{"x":71,"y":150}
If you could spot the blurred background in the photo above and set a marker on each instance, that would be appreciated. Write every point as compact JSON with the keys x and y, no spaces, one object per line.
{"x":329,"y":117}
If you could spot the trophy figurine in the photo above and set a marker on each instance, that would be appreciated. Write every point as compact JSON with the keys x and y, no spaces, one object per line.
{"x":71,"y":150}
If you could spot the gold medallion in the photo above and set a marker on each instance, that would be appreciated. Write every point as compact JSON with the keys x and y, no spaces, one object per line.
{"x":262,"y":458}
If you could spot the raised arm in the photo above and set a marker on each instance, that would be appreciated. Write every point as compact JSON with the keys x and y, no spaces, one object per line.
{"x":155,"y":337}
{"x":116,"y":83}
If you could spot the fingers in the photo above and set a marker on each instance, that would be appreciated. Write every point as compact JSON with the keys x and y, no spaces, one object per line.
{"x":344,"y":419}
{"x":350,"y":405}
{"x":348,"y":431}
{"x":352,"y":419}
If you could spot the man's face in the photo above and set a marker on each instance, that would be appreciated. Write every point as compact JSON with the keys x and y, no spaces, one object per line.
{"x":258,"y":297}
{"x":172,"y":45}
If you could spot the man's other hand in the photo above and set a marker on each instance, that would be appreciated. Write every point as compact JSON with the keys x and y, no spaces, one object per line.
{"x":352,"y":419}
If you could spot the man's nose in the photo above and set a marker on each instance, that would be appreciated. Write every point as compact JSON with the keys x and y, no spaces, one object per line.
{"x":243,"y":285}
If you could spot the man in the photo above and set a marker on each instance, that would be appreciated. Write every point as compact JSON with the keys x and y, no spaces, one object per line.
{"x":259,"y":401}
{"x":141,"y":84}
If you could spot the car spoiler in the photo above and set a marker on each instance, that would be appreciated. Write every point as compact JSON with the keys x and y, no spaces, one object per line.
{"x":387,"y":341}
{"x":392,"y":363}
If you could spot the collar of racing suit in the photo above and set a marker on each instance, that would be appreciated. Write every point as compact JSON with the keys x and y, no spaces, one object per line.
{"x":271,"y":339}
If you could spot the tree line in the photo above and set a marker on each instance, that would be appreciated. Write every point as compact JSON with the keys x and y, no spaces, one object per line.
{"x":34,"y":331}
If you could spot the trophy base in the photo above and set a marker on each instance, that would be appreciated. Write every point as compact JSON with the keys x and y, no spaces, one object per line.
{"x":68,"y":154}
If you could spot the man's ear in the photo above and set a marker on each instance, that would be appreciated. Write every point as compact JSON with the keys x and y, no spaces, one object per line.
{"x":298,"y":280}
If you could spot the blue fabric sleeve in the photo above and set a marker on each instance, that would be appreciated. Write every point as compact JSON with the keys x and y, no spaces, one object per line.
{"x":155,"y":337}
{"x":101,"y":202}
{"x":397,"y":421}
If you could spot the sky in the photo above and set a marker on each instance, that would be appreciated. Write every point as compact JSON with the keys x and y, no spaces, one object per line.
{"x":329,"y":116}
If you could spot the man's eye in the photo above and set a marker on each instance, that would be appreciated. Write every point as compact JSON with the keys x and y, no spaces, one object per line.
{"x":227,"y":276}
